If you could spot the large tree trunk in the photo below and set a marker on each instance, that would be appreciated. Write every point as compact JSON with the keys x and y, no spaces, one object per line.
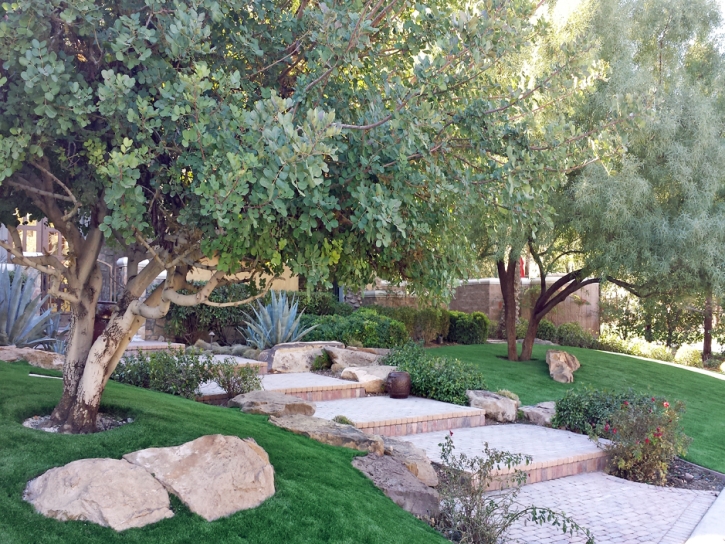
{"x":528,"y":345}
{"x":508,"y":291}
{"x":707,"y":340}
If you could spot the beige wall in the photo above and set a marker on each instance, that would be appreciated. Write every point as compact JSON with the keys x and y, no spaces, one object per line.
{"x":287,"y":282}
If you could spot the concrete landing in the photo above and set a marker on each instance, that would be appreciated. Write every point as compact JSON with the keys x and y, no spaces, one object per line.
{"x":399,"y":417}
{"x":313,"y":387}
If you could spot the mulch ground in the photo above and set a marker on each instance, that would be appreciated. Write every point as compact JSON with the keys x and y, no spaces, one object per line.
{"x":685,"y":475}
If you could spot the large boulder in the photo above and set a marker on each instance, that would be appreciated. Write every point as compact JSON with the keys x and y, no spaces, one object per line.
{"x":355,"y":357}
{"x":373,"y":378}
{"x":270,"y":403}
{"x":109,"y":492}
{"x":396,"y":481}
{"x":35,"y":357}
{"x":330,"y":432}
{"x":414,"y":459}
{"x":497,"y":407}
{"x":541,"y":414}
{"x":561,"y":365}
{"x":215,"y":475}
{"x":295,"y":356}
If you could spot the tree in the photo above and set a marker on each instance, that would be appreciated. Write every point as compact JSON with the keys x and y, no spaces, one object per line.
{"x":653,"y":222}
{"x":340,"y":140}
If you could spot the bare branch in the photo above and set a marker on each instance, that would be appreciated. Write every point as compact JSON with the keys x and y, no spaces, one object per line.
{"x":31,"y":189}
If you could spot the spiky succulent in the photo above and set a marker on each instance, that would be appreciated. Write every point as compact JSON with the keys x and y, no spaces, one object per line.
{"x":276,"y":323}
{"x":21,"y":322}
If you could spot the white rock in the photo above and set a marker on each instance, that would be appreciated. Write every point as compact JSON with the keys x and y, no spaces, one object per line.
{"x":371,"y":377}
{"x":215,"y":475}
{"x":561,"y":365}
{"x":271,"y":403}
{"x":414,"y":459}
{"x":497,"y":407}
{"x":541,"y":414}
{"x":295,"y":357}
{"x":109,"y":492}
{"x":346,"y":358}
{"x":34,"y":357}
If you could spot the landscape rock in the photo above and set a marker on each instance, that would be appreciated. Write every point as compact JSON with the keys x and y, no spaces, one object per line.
{"x":374,"y":351}
{"x":330,"y":432}
{"x":109,"y":492}
{"x":270,"y":403}
{"x":356,"y":357}
{"x":373,"y":378}
{"x":561,"y":365}
{"x":395,"y":480}
{"x":202,"y":345}
{"x":214,"y":475}
{"x":414,"y":459}
{"x":34,"y":357}
{"x":295,"y":356}
{"x":541,"y":414}
{"x":497,"y":407}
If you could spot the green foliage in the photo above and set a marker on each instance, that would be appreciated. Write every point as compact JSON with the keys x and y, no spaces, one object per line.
{"x":438,"y":378}
{"x":426,"y":324}
{"x":583,"y":410}
{"x":644,"y":439}
{"x":689,"y":356}
{"x":610,"y":341}
{"x":321,"y":303}
{"x":547,"y":331}
{"x":322,"y":362}
{"x":470,"y":513}
{"x":177,"y":372}
{"x":274,"y":323}
{"x":189,"y":323}
{"x":364,"y":326}
{"x":521,"y":328}
{"x":508,"y":394}
{"x":668,"y":320}
{"x":470,"y":328}
{"x":342,"y":420}
{"x":237,"y":379}
{"x":572,"y":334}
{"x":21,"y":322}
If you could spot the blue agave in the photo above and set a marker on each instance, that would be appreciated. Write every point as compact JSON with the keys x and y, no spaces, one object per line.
{"x":21,"y":323}
{"x":275,"y":323}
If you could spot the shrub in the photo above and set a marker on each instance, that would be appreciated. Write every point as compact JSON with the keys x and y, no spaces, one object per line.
{"x":364,"y":327}
{"x":611,"y":342}
{"x":572,"y":334}
{"x":582,"y":410}
{"x":689,"y":356}
{"x":321,"y":303}
{"x":508,"y":394}
{"x":21,"y":321}
{"x":322,"y":362}
{"x":237,"y":379}
{"x":177,"y":372}
{"x":644,"y":439}
{"x":547,"y":331}
{"x":434,"y":377}
{"x":342,"y":420}
{"x":471,"y":513}
{"x":425,"y":324}
{"x":470,"y":328}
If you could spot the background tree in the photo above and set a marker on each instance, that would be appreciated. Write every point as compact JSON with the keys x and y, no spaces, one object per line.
{"x":333,"y":138}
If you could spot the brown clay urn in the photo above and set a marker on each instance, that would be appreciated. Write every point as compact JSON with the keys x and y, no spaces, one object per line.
{"x":398,"y":385}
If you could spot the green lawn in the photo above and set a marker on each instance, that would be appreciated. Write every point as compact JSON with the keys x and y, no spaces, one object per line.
{"x":320,"y":497}
{"x":704,"y":395}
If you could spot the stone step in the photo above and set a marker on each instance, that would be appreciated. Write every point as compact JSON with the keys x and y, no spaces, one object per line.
{"x":400,"y":417}
{"x":304,"y":385}
{"x":555,"y":453}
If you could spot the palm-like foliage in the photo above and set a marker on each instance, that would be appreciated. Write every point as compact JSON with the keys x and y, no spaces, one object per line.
{"x":20,"y":321}
{"x":276,"y":323}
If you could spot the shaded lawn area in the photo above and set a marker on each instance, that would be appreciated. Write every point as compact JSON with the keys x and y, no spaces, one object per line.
{"x":704,"y":395}
{"x":319,"y":496}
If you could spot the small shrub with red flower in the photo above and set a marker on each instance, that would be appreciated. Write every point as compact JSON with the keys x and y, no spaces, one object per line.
{"x":643,"y":439}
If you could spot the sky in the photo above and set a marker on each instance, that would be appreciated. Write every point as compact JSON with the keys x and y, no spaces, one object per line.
{"x":564,"y":7}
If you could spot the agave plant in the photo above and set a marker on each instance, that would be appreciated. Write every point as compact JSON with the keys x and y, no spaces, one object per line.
{"x":275,"y":323}
{"x":21,"y":323}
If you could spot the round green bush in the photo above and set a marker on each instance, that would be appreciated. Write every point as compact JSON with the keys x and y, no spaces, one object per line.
{"x":547,"y":331}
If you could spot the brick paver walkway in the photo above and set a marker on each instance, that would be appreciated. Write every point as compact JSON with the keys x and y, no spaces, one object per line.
{"x":272,"y":382}
{"x":616,"y":511}
{"x":542,"y":443}
{"x":385,"y":408}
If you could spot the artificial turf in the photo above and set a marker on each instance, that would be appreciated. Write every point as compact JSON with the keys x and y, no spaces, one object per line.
{"x":704,"y":395}
{"x":319,"y":496}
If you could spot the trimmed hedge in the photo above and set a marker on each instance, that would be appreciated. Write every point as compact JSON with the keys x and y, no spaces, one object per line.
{"x":470,"y":328}
{"x":364,"y":327}
{"x":425,"y":324}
